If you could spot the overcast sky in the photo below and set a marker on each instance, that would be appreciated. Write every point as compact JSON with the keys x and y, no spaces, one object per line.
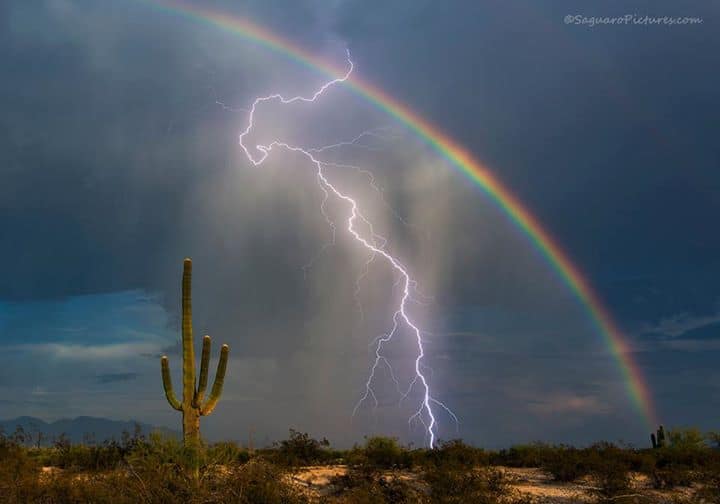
{"x":119,"y":156}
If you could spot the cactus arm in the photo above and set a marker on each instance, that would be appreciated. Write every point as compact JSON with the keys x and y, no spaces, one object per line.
{"x":218,"y":384}
{"x":204,"y":365}
{"x":187,"y":335}
{"x":167,"y":384}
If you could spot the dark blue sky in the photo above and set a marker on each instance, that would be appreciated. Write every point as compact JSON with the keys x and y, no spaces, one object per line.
{"x":117,"y":161}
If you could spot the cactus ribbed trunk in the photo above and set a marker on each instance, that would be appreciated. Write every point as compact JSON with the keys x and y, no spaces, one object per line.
{"x":191,"y":427}
{"x":192,"y":405}
{"x":191,"y":415}
{"x":187,"y":335}
{"x":191,"y":438}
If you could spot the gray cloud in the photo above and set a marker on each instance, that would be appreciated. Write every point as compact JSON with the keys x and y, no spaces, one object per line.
{"x":681,"y":324}
{"x":115,"y":377}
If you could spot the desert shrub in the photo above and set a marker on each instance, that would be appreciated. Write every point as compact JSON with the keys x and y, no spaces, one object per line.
{"x":671,"y":476}
{"x":384,"y":453}
{"x":79,"y":457}
{"x":611,"y":477}
{"x":686,"y":461}
{"x":226,"y":453}
{"x":258,"y":482}
{"x":159,"y":467}
{"x":608,"y":464}
{"x":686,"y":438}
{"x":359,"y":486}
{"x":380,"y":454}
{"x":74,"y":487}
{"x":713,"y":438}
{"x":484,"y":486}
{"x":18,"y":472}
{"x":300,"y":449}
{"x":454,"y":454}
{"x":643,"y":461}
{"x":106,"y":456}
{"x":530,"y":455}
{"x":566,"y":464}
{"x":682,"y":467}
{"x":157,"y":450}
{"x":154,"y":471}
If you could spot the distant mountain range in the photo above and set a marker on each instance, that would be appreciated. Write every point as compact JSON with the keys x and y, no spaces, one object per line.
{"x":80,"y":429}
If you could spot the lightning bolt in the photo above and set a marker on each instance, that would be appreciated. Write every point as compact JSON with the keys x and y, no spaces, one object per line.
{"x":373,"y":243}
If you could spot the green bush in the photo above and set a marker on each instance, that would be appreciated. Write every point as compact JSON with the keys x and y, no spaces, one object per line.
{"x":686,"y":438}
{"x":18,"y":472}
{"x":301,"y":450}
{"x":155,"y":474}
{"x":107,"y":456}
{"x":686,"y":461}
{"x":454,"y":454}
{"x":359,"y":486}
{"x":530,"y":455}
{"x":153,"y":470}
{"x":226,"y":453}
{"x":257,"y":482}
{"x":447,"y":486}
{"x":566,"y":464}
{"x":385,"y":453}
{"x":612,"y":479}
{"x":380,"y":454}
{"x":713,"y":437}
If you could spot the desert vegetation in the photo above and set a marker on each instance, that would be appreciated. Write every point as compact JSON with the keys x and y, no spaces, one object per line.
{"x":301,"y":469}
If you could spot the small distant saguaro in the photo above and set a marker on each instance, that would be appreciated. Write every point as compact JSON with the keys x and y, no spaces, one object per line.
{"x":193,"y":405}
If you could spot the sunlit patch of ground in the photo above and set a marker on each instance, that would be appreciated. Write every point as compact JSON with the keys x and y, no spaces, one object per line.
{"x":317,"y":482}
{"x":539,"y":484}
{"x":533,"y":482}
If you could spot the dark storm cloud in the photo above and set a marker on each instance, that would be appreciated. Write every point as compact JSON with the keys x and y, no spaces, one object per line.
{"x":606,"y":133}
{"x":72,"y":158}
{"x":115,"y":377}
{"x":118,"y":162}
{"x":613,"y":123}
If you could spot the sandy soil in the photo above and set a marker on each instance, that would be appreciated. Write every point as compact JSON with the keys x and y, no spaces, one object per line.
{"x":529,"y":481}
{"x":316,"y":482}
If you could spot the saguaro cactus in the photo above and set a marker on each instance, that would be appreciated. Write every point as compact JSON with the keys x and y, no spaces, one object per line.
{"x":659,"y":440}
{"x":193,"y":404}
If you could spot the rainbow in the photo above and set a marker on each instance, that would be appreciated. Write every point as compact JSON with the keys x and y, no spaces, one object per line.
{"x":459,"y":157}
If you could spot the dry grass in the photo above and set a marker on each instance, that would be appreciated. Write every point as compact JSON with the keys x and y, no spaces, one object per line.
{"x":154,"y":471}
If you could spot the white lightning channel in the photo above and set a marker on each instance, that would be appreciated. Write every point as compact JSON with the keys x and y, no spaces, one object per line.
{"x":375,"y":245}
